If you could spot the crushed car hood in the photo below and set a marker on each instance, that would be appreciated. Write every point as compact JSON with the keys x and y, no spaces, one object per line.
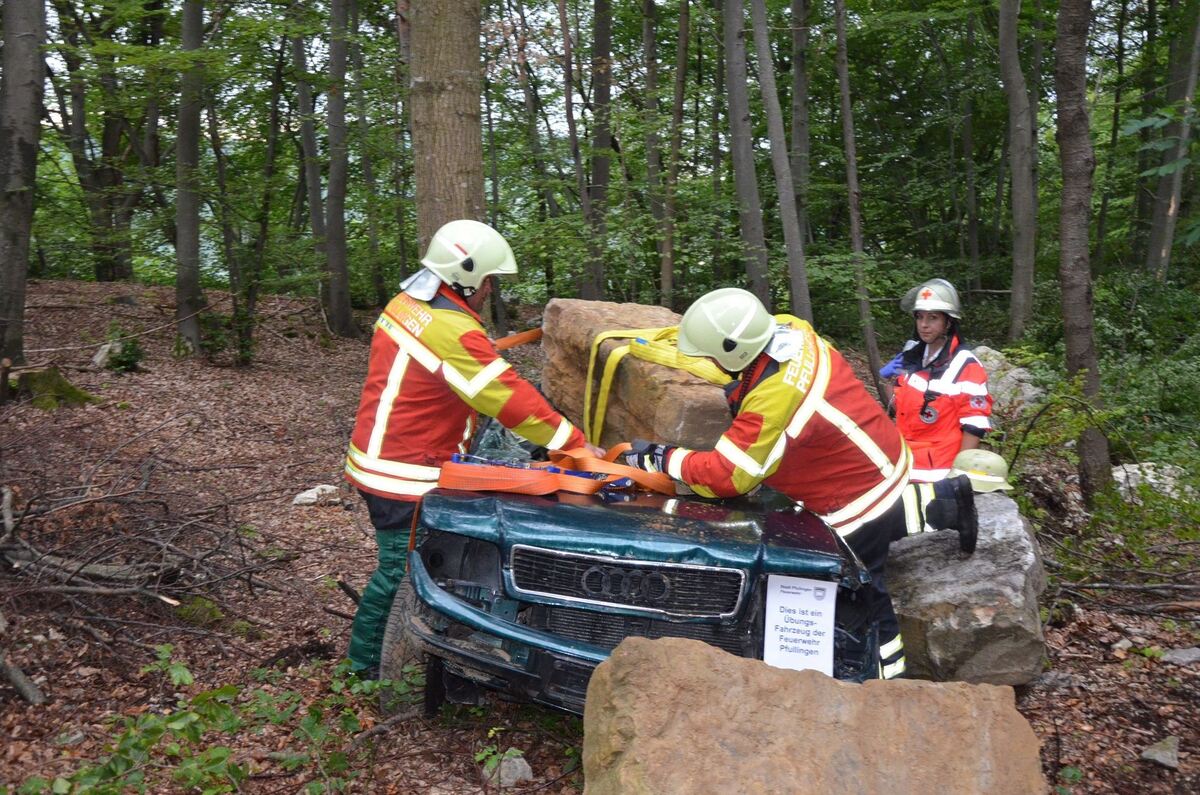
{"x":765,"y":534}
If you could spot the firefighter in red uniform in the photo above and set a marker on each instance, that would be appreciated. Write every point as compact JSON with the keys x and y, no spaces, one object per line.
{"x":805,"y":425}
{"x":941,"y":398}
{"x":432,"y":370}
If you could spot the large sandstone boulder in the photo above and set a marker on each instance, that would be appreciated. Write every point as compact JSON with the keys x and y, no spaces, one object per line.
{"x":647,"y":401}
{"x":679,"y":716}
{"x":972,"y":618}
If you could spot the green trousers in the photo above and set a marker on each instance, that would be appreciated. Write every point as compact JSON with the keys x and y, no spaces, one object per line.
{"x":391,"y":519}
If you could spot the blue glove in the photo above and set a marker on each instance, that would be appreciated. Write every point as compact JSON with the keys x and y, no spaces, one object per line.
{"x":893,"y":368}
{"x":648,"y":456}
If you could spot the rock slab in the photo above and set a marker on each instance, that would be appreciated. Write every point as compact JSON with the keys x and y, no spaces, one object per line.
{"x":678,"y":716}
{"x":972,"y":618}
{"x":647,"y":400}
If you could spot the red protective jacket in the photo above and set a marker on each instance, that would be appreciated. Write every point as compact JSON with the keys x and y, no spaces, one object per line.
{"x":808,"y":428}
{"x":936,"y":405}
{"x":432,"y":368}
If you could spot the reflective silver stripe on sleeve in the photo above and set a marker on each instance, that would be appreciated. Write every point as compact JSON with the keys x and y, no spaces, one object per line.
{"x":976,"y":422}
{"x":561,"y":435}
{"x":739,"y":457}
{"x":675,"y":462}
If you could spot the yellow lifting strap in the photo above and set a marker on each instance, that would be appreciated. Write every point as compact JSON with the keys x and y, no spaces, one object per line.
{"x":650,"y":344}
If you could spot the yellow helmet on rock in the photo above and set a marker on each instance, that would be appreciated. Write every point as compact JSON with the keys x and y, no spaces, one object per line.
{"x":467,"y":252}
{"x":987,"y":470}
{"x":935,"y":295}
{"x":730,"y":325}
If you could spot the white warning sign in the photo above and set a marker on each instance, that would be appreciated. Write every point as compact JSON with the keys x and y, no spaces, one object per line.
{"x":799,"y":623}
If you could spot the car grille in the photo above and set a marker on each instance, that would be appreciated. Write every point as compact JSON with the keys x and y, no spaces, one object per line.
{"x":673,"y":589}
{"x":607,"y":630}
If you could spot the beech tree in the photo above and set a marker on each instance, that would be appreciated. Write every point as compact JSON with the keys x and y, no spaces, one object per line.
{"x":21,"y":89}
{"x":189,"y":300}
{"x":1078,"y":164}
{"x":1020,"y":156}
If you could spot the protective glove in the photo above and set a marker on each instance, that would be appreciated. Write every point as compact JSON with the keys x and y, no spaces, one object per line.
{"x":893,"y":368}
{"x":648,"y":456}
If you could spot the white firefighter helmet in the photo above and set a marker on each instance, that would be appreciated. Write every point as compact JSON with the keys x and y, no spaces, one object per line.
{"x":935,"y":295}
{"x":731,"y":325}
{"x":466,"y":252}
{"x":988,"y":471}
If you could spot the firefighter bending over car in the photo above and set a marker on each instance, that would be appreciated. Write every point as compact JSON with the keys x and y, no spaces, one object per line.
{"x":432,"y":370}
{"x":805,"y":425}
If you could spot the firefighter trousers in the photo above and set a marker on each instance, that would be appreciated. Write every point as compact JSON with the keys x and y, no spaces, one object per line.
{"x":870,"y":542}
{"x":392,"y":520}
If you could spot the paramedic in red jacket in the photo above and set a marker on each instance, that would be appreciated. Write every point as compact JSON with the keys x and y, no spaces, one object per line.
{"x":432,"y":371}
{"x":941,"y":397}
{"x":805,"y":425}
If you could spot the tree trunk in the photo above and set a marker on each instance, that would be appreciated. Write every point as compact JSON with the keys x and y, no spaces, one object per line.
{"x":856,"y":233}
{"x":592,"y":286}
{"x":22,"y":80}
{"x":1150,"y":75}
{"x":585,"y":201}
{"x":654,"y":186}
{"x":1020,"y":137}
{"x":801,"y":145}
{"x":801,"y":304}
{"x":366,"y":157}
{"x":240,"y":321}
{"x":754,"y":246}
{"x":188,"y":298}
{"x":1182,"y":89}
{"x":1078,"y":163}
{"x":312,"y":162}
{"x":341,"y":318}
{"x":526,"y":78}
{"x":1113,"y":132}
{"x":968,"y":145}
{"x":446,"y":84}
{"x":497,"y":310}
{"x":1035,"y":94}
{"x":667,"y":268}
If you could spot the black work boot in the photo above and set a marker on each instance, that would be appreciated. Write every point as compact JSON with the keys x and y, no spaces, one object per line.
{"x":953,"y":506}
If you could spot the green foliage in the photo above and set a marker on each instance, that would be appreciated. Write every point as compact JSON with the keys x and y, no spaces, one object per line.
{"x":490,"y":754}
{"x":199,"y":611}
{"x":126,"y":354}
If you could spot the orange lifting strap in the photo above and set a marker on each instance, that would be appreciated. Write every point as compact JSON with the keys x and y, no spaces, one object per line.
{"x":540,"y":480}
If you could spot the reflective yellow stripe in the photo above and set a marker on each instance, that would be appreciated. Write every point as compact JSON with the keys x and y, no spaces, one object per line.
{"x":890,"y":648}
{"x":893,"y":670}
{"x":397,"y":469}
{"x":675,"y":462}
{"x":472,"y":387}
{"x":816,"y":395}
{"x":387,"y":399}
{"x":739,"y":457}
{"x":560,"y":436}
{"x":409,"y":344}
{"x":857,"y":435}
{"x":929,"y":475}
{"x":914,"y":517}
{"x":859,"y":505}
{"x":387,"y":484}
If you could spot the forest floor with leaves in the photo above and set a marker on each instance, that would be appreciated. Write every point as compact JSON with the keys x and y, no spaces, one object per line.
{"x":192,"y":464}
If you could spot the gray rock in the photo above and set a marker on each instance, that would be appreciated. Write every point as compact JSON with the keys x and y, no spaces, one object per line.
{"x":1012,"y":387}
{"x":1188,"y":656}
{"x":679,"y":716}
{"x":1163,"y":478}
{"x":1124,"y":644}
{"x":318,"y":495}
{"x":1164,"y":752}
{"x":1056,"y":680}
{"x":105,"y":353}
{"x":511,"y":771}
{"x":973,"y":618}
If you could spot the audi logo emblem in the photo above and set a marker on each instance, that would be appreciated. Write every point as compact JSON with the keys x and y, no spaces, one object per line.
{"x":628,"y":585}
